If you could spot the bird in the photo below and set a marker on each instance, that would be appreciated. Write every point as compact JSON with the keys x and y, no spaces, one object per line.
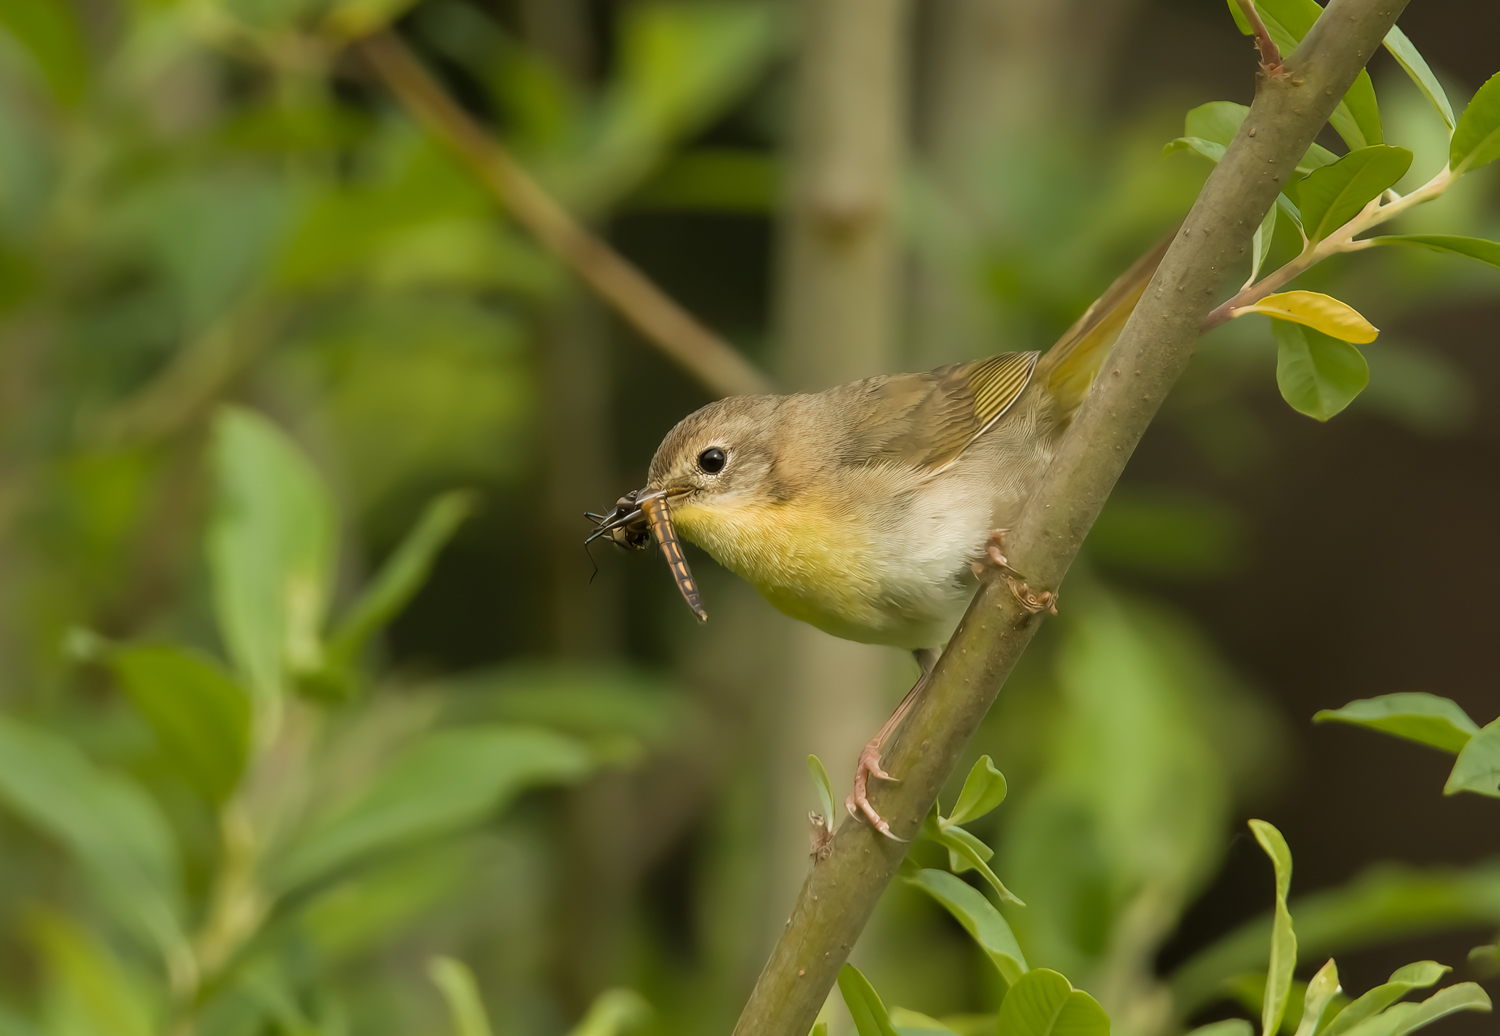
{"x":871,"y":510}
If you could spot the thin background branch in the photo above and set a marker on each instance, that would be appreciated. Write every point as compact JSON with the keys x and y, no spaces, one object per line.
{"x":693,"y":347}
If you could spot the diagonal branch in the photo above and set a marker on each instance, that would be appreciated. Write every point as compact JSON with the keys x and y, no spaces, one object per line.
{"x":1152,"y":352}
{"x":693,"y":347}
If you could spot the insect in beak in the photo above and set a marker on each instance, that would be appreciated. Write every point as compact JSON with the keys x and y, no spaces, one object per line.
{"x":639,"y":515}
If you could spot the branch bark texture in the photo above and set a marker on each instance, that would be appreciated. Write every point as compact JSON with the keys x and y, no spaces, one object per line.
{"x":840,"y":893}
{"x":693,"y":347}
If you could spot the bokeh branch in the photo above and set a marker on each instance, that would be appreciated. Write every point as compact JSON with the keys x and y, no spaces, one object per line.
{"x":1154,"y":349}
{"x":697,"y":350}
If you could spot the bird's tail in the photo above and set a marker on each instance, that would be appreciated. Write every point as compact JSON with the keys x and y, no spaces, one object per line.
{"x":1067,"y":369}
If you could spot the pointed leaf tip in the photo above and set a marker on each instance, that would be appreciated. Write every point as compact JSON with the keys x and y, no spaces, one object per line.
{"x":1317,"y":311}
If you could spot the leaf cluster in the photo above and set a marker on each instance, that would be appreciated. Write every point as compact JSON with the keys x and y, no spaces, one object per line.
{"x":1331,"y":200}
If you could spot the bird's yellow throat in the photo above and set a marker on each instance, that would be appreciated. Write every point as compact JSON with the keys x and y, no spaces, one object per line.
{"x":803,"y":558}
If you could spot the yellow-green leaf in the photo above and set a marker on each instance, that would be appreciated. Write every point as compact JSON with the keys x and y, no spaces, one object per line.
{"x":1473,"y":247}
{"x":1331,"y":196}
{"x":1415,"y":66}
{"x":1318,"y":375}
{"x":1318,"y":311}
{"x":1414,"y":715}
{"x":1321,"y":990}
{"x":1283,"y":939}
{"x":1476,"y":138}
{"x":1478,"y":766}
{"x":865,"y":1005}
{"x":456,"y":982}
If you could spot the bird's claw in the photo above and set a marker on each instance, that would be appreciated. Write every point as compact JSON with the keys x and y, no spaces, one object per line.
{"x":1034,"y":601}
{"x":858,"y":802}
{"x":994,"y":559}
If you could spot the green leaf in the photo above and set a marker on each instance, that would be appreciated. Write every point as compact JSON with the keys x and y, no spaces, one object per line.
{"x":446,"y":781}
{"x":595,"y":701}
{"x":912,"y":1023}
{"x":1044,"y":1003}
{"x":1473,"y":247}
{"x":112,"y":827}
{"x":1207,"y":148}
{"x":1228,"y":1027}
{"x":374,"y":905}
{"x":1386,"y":1022}
{"x":48,"y":31}
{"x":1319,"y":996}
{"x":1283,"y":940}
{"x":1357,"y":117}
{"x":979,"y":918}
{"x":271,"y":548}
{"x":91,"y":980}
{"x":1466,"y":996}
{"x":201,"y":718}
{"x":1317,"y":374}
{"x":870,"y":1016}
{"x":400,"y":577}
{"x":1476,"y":138}
{"x":983,"y":790}
{"x":456,"y":982}
{"x":972,"y":852}
{"x":1261,"y":243}
{"x":1416,"y":716}
{"x":1386,"y":904}
{"x":1478,"y":765}
{"x":1218,"y":121}
{"x":1414,"y":976}
{"x":679,"y":65}
{"x":1415,"y":66}
{"x":824,"y":786}
{"x":1249,"y":991}
{"x":613,"y":1012}
{"x":1331,"y":196}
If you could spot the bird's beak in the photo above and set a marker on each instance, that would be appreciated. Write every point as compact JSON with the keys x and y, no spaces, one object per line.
{"x":655,"y":506}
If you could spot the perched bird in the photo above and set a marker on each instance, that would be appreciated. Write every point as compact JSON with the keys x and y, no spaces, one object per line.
{"x":871,"y":510}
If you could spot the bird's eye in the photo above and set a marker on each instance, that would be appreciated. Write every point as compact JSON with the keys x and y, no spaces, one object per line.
{"x":712,"y":460}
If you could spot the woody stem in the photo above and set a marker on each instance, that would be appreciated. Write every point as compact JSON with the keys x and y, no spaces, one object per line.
{"x":1153,"y":350}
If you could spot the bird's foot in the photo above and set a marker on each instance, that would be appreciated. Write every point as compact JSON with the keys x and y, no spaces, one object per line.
{"x":858,"y":802}
{"x":1033,"y":600}
{"x":994,"y":559}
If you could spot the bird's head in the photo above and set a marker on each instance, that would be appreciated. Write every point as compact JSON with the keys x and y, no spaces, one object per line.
{"x":718,"y":458}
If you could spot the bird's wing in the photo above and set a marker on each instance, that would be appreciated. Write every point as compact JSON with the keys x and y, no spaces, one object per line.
{"x":926,"y":421}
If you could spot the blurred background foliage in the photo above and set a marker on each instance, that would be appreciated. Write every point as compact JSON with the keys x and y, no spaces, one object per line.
{"x":258,"y":331}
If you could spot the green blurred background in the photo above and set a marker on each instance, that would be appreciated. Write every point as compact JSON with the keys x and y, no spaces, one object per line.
{"x":251,"y":316}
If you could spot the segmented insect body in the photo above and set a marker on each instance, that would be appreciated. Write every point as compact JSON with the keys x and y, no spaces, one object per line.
{"x":632,"y":524}
{"x":659,"y":514}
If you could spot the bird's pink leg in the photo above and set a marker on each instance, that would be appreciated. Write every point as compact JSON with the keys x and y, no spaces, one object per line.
{"x":858,"y":802}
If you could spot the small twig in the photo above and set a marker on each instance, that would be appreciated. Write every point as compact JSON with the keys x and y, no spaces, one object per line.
{"x":708,"y":358}
{"x":1270,"y":55}
{"x":1341,"y":240}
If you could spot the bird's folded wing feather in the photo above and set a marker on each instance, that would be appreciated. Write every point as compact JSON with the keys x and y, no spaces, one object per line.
{"x":925,"y":421}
